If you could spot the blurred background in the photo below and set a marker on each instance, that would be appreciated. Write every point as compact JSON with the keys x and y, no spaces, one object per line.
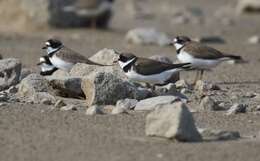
{"x":143,"y":27}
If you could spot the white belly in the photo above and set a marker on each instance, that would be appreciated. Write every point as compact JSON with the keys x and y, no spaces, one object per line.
{"x":59,"y":63}
{"x":151,"y":79}
{"x":46,"y":67}
{"x":197,"y":63}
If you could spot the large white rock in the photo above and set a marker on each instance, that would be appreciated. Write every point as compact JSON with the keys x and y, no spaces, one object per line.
{"x":172,"y":121}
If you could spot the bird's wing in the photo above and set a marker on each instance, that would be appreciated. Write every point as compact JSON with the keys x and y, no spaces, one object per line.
{"x":202,"y":51}
{"x":147,"y":66}
{"x":73,"y":57}
{"x":88,"y":4}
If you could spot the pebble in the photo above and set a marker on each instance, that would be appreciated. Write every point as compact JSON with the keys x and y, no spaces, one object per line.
{"x":126,"y":103}
{"x":59,"y":104}
{"x":208,"y":104}
{"x":46,"y":101}
{"x":237,"y":108}
{"x":254,"y":40}
{"x":118,"y":110}
{"x":69,"y":108}
{"x":94,"y":110}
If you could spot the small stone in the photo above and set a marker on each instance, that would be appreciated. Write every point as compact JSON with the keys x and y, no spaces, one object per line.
{"x":182,"y":84}
{"x":107,"y":109}
{"x":39,"y":97}
{"x":258,"y":108}
{"x":249,"y":95}
{"x":2,"y":104}
{"x":208,"y":104}
{"x":3,"y":97}
{"x":118,"y":110}
{"x":152,"y":103}
{"x":147,"y":36}
{"x":172,"y":121}
{"x":222,"y":105}
{"x":202,"y":86}
{"x":12,"y":90}
{"x":217,"y":135}
{"x":46,"y":101}
{"x":94,"y":110}
{"x":166,"y":89}
{"x":59,"y":104}
{"x":69,"y":108}
{"x":186,"y":91}
{"x":126,"y":103}
{"x":236,"y":108}
{"x":254,"y":40}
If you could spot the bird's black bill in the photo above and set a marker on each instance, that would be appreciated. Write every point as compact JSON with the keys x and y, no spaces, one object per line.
{"x":40,"y":63}
{"x":45,"y":47}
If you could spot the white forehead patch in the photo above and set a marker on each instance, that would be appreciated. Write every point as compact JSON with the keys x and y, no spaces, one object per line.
{"x":42,"y":59}
{"x":175,"y":40}
{"x":48,"y":43}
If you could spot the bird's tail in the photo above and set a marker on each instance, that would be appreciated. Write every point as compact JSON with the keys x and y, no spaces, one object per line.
{"x":186,"y":66}
{"x":234,"y":57}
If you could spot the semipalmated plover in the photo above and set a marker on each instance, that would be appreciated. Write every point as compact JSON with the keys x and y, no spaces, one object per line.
{"x":62,"y":57}
{"x":148,"y":70}
{"x":201,"y":57}
{"x":91,"y":8}
{"x":46,"y":66}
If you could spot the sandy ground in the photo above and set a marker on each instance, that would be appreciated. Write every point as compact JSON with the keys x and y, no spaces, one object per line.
{"x":33,"y":132}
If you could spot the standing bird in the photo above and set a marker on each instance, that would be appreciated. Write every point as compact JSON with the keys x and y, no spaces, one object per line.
{"x":148,"y":70}
{"x":200,"y":56}
{"x":96,"y":10}
{"x":46,"y":66}
{"x":62,"y":57}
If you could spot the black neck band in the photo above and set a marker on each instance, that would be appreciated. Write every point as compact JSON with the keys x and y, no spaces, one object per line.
{"x":128,"y":66}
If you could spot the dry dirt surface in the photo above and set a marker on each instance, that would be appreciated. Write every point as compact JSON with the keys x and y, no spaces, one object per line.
{"x":34,"y":132}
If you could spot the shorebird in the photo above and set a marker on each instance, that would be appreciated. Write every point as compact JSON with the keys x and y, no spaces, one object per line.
{"x":200,"y":56}
{"x":62,"y":57}
{"x":147,"y":70}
